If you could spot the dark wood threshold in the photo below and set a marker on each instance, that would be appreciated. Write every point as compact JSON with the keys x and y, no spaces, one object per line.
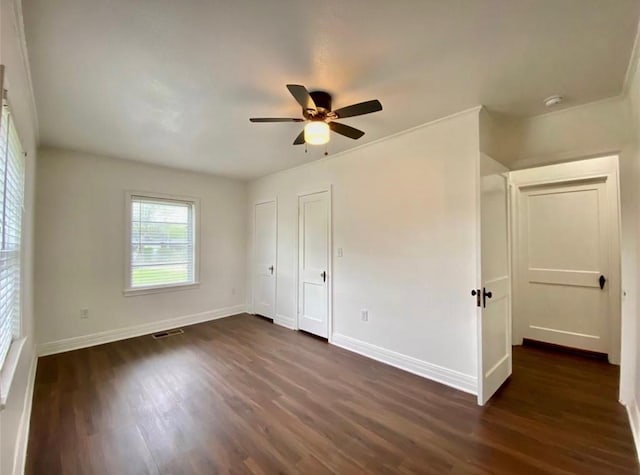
{"x":321,"y":338}
{"x":595,"y":355}
{"x":262,"y":317}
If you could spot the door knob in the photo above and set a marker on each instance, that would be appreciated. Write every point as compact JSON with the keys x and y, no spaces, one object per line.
{"x":271,"y":269}
{"x":486,"y":295}
{"x":602,"y":280}
{"x":324,"y":276}
{"x":476,"y":294}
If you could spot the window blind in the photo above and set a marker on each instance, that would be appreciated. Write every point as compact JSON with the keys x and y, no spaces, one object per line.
{"x":12,"y":164}
{"x":162,"y":242}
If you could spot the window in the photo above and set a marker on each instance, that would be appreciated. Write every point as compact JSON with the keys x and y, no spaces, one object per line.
{"x":161,"y":243}
{"x":12,"y":163}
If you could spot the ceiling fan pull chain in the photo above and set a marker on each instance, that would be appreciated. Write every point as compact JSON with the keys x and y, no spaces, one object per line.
{"x":326,"y":150}
{"x":305,"y":147}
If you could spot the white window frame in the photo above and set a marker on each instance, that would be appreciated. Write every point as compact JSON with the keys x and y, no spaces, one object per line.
{"x":152,"y":289}
{"x":9,"y":365}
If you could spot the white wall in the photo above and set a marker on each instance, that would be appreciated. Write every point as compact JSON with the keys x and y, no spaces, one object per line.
{"x":632,"y":371}
{"x":80,"y":246}
{"x":404,"y":213}
{"x":594,"y":129}
{"x":15,"y":416}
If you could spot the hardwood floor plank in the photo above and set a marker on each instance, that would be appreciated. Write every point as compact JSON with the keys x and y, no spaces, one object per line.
{"x":238,"y":396}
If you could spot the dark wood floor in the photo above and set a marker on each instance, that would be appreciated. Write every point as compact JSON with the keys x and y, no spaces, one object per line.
{"x":237,"y":396}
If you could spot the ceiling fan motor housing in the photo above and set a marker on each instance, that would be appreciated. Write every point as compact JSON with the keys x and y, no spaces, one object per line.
{"x":322,"y":100}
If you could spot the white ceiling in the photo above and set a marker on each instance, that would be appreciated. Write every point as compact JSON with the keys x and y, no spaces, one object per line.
{"x":174,"y":82}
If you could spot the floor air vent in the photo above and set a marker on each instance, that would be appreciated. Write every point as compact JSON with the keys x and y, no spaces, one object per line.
{"x":165,"y":334}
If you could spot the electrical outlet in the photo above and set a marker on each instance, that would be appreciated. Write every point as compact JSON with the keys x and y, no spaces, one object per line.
{"x":84,"y":313}
{"x":339,"y":252}
{"x":364,"y":315}
{"x":233,"y":291}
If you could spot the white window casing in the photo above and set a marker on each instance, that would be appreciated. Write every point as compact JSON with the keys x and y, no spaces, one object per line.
{"x":12,"y":178}
{"x":161,"y":243}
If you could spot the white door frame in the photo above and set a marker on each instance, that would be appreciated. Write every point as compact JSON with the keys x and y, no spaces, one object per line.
{"x":253,"y":258}
{"x":591,"y":169}
{"x":313,"y":191}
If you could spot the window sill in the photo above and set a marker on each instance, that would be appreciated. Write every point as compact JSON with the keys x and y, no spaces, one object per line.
{"x":160,"y":289}
{"x":8,"y":370}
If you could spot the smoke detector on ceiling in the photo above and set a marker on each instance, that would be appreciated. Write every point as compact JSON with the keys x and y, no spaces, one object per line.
{"x":553,"y":100}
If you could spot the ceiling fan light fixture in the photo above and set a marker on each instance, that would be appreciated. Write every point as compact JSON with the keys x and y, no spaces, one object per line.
{"x":316,"y":133}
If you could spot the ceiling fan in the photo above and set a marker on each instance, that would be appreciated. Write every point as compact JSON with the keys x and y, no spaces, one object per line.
{"x":316,"y":110}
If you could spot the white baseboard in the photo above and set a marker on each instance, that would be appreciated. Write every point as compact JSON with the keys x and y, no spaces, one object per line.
{"x":455,"y":379}
{"x":100,"y":338}
{"x":20,"y":456}
{"x":634,"y":420}
{"x":287,"y":322}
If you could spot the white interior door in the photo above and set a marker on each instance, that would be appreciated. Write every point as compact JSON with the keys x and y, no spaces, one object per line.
{"x":563,"y":264}
{"x":264,"y":272}
{"x":494,"y":298}
{"x":313,"y":263}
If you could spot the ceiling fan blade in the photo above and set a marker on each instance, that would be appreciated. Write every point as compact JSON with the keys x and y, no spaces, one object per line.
{"x":346,"y":130}
{"x":359,"y":109}
{"x":299,"y":139}
{"x":274,"y":119}
{"x":301,"y":95}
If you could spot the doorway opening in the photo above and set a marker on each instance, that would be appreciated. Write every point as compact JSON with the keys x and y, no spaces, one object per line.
{"x":560,"y":257}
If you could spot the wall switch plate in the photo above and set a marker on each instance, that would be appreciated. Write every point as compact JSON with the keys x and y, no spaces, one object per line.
{"x":339,"y":252}
{"x":84,"y":313}
{"x":364,"y":315}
